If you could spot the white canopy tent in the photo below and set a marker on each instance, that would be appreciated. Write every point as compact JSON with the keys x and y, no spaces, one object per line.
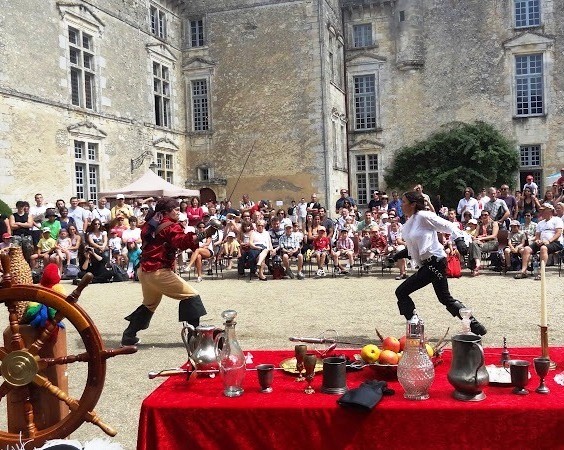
{"x":151,"y":185}
{"x":552,"y":178}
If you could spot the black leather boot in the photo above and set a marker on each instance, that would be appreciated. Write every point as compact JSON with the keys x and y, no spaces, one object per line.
{"x":190,"y":310}
{"x":138,"y":320}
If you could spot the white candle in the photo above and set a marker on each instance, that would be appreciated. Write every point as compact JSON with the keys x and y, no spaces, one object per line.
{"x":544,"y":313}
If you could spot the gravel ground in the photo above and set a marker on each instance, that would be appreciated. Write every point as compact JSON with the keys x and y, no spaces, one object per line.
{"x":270,"y":312}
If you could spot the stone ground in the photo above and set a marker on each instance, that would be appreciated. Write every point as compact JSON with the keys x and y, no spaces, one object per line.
{"x":270,"y":312}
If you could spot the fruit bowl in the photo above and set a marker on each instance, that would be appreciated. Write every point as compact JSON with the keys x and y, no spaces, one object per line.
{"x":385,"y":372}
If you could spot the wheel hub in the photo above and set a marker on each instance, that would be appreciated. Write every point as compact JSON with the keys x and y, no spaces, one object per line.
{"x":19,"y":368}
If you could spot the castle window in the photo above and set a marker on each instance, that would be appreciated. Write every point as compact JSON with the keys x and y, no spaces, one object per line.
{"x":86,"y":169}
{"x":158,"y":22}
{"x":197,"y":33}
{"x":529,"y":85}
{"x":161,"y":93}
{"x":204,"y":174}
{"x":200,"y":110}
{"x":362,"y":35}
{"x":365,"y":102}
{"x":366,"y":177}
{"x":82,"y":69}
{"x":527,"y":13}
{"x":165,"y":167}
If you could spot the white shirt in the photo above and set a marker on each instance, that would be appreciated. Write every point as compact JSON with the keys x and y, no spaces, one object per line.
{"x":468,"y":205}
{"x":302,"y":209}
{"x":548,"y":228}
{"x":104,"y":215}
{"x":262,"y":238}
{"x":38,"y":213}
{"x":420,"y":235}
{"x":131,"y":234}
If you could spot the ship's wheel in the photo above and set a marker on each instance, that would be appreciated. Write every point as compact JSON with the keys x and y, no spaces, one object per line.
{"x":22,"y":367}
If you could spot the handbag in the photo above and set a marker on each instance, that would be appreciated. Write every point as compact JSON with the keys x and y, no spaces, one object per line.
{"x":453,"y":268}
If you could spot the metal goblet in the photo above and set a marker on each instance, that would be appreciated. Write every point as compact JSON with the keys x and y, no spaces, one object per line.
{"x":265,"y":375}
{"x":542,"y":366}
{"x":300,"y":351}
{"x":310,"y":361}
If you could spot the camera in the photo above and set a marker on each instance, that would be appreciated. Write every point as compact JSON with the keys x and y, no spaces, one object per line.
{"x":88,"y":248}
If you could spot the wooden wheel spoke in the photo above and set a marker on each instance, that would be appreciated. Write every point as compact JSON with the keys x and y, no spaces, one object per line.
{"x":49,"y":328}
{"x":125,"y":350}
{"x":5,"y":387}
{"x":29,"y":415}
{"x":43,"y":363}
{"x":17,"y":342}
{"x":3,"y":353}
{"x":73,"y":404}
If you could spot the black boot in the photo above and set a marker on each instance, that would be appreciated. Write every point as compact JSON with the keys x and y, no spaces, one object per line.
{"x":190,"y":310}
{"x":138,"y":320}
{"x":475,"y":326}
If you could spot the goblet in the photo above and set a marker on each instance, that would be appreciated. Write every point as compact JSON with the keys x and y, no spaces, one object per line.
{"x":519,"y":371}
{"x":300,"y":350}
{"x":542,"y":366}
{"x":265,"y":375}
{"x":310,"y":361}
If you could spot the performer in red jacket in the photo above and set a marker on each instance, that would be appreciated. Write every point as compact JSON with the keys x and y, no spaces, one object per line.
{"x":162,"y":236}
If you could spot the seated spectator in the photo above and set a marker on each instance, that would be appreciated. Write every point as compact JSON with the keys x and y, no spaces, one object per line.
{"x":497,"y":208}
{"x":368,"y":223}
{"x":290,"y":246}
{"x":284,"y":220}
{"x":344,"y":247}
{"x":485,"y":241}
{"x":516,"y":242}
{"x":205,"y":251}
{"x":76,"y":240}
{"x":472,"y":228}
{"x":378,"y":243}
{"x":97,"y":238}
{"x":547,"y":238}
{"x":119,"y":225}
{"x":531,"y":185}
{"x":527,"y":204}
{"x":451,"y":217}
{"x":261,"y":246}
{"x":321,"y":247}
{"x":549,"y":197}
{"x":230,"y":249}
{"x":275,"y":231}
{"x":46,"y":249}
{"x":62,"y":248}
{"x":365,"y":248}
{"x":396,"y":244}
{"x":529,"y":227}
{"x":468,"y":203}
{"x":466,"y":216}
{"x":5,"y":244}
{"x":133,"y":232}
{"x":245,"y":241}
{"x":247,"y":205}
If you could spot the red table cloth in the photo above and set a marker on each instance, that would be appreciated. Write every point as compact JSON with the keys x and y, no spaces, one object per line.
{"x":182,"y":415}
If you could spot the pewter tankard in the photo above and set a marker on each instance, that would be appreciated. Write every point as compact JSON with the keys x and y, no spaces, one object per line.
{"x":467,"y":372}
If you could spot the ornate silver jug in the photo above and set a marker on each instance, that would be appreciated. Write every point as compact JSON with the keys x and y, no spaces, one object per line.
{"x":200,"y":343}
{"x":467,"y":372}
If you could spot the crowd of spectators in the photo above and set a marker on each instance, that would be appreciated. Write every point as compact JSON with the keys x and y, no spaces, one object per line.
{"x":91,"y":236}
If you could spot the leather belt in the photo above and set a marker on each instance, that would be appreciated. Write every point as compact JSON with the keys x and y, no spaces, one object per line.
{"x":430,"y":260}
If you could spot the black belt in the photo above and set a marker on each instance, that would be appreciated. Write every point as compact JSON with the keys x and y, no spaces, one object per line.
{"x":431,"y":260}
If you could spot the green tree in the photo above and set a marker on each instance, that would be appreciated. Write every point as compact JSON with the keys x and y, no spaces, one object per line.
{"x":5,"y":209}
{"x":460,"y":155}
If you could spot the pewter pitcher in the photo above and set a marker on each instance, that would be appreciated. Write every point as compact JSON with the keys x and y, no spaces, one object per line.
{"x":200,"y":343}
{"x":467,"y":372}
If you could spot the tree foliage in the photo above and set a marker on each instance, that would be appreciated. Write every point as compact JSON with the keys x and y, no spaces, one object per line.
{"x":463,"y":154}
{"x":5,"y":210}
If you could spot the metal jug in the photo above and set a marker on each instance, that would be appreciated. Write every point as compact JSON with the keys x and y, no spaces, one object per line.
{"x":201,"y":343}
{"x":467,"y":372}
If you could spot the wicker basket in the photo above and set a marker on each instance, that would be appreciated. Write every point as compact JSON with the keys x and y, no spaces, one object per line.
{"x":21,"y":274}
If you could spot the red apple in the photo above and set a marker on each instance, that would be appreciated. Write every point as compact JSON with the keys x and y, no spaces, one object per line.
{"x":391,"y":343}
{"x":402,"y":342}
{"x":388,"y":357}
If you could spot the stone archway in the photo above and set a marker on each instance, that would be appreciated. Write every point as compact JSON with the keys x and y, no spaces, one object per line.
{"x":207,"y":195}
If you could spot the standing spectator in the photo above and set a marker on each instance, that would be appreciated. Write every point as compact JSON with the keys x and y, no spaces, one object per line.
{"x":510,"y":201}
{"x":468,"y":203}
{"x":62,"y":248}
{"x":37,"y":211}
{"x":529,"y":183}
{"x":384,"y":206}
{"x":340,"y":202}
{"x":375,"y":201}
{"x":290,"y":245}
{"x":302,"y":214}
{"x":79,"y":215}
{"x":528,"y":204}
{"x":144,"y":212}
{"x":497,"y":209}
{"x":321,"y":247}
{"x":313,"y":206}
{"x":395,"y":204}
{"x":343,"y":247}
{"x":560,"y":181}
{"x":293,"y":212}
{"x":428,"y":204}
{"x":60,"y":203}
{"x":194,"y":212}
{"x":549,"y":197}
{"x":281,"y":214}
{"x":102,"y":213}
{"x":122,"y":208}
{"x":21,"y":222}
{"x":547,"y":238}
{"x":87,"y":207}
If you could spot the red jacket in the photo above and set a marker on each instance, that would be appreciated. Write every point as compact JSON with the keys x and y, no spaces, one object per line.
{"x":160,"y":252}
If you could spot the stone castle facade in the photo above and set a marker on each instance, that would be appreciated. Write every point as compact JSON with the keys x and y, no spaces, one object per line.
{"x":277,"y":99}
